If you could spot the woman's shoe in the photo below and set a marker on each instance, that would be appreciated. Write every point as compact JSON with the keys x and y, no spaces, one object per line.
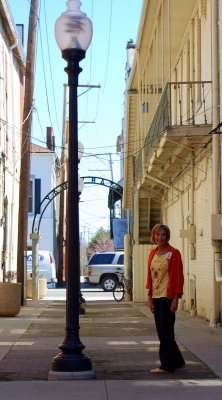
{"x":181,"y":366}
{"x":158,"y":371}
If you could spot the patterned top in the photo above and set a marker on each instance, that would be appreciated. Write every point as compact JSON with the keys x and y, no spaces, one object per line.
{"x":159,"y":275}
{"x":175,"y":272}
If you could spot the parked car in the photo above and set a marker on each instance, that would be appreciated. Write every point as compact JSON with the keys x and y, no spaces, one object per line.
{"x":104,"y":269}
{"x":47,"y":267}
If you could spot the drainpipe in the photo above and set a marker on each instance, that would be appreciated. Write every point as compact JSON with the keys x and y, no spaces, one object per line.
{"x":5,"y":240}
{"x":216,"y":198}
{"x":192,"y":189}
{"x":11,"y":251}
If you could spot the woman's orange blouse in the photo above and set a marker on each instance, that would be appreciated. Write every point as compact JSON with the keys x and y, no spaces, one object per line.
{"x":175,"y":271}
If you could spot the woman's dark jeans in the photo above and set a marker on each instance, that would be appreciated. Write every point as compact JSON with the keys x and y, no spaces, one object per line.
{"x":169,"y":353}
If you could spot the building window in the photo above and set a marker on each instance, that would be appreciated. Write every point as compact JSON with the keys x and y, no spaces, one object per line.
{"x":31,"y":196}
{"x":34,"y":196}
{"x":145,"y":107}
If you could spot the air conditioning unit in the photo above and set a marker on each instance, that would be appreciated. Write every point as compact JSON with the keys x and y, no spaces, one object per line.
{"x":216,"y":226}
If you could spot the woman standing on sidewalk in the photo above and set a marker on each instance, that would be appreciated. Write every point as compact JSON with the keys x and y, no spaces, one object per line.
{"x":165,"y":287}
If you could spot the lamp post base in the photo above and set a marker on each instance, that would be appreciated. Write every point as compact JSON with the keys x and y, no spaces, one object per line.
{"x":69,"y":365}
{"x":68,"y":376}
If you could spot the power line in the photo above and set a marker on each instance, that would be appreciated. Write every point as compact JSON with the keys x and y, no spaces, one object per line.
{"x":109,"y":41}
{"x":50,"y":67}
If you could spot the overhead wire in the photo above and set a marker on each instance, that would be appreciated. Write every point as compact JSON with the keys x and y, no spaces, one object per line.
{"x":28,"y":1}
{"x":94,"y":148}
{"x":91,"y":47}
{"x":110,"y":25}
{"x":107,"y":61}
{"x":109,"y":41}
{"x":44,"y":70}
{"x":44,"y":74}
{"x":45,"y":80}
{"x":97,"y":155}
{"x":28,"y":115}
{"x":87,"y":223}
{"x":50,"y":68}
{"x":40,"y":125}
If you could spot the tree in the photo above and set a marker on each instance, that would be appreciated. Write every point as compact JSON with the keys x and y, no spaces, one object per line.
{"x":100,"y":242}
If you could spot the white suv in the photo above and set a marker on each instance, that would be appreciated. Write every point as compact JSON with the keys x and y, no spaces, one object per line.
{"x":104,"y":269}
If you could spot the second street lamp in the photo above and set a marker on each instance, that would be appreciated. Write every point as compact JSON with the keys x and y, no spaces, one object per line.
{"x":73,"y":32}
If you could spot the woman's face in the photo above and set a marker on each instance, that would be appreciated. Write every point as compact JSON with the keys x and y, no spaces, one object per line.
{"x":160,"y":237}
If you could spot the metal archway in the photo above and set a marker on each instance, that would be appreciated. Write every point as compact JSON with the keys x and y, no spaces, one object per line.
{"x":93,"y":180}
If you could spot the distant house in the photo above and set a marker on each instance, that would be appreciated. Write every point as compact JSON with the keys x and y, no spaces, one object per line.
{"x":44,"y":172}
{"x":12,"y":70}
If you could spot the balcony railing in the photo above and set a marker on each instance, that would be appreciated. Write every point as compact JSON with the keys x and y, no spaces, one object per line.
{"x":181,"y":104}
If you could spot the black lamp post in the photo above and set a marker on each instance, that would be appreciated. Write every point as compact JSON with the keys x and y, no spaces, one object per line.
{"x":80,"y":189}
{"x":73,"y":32}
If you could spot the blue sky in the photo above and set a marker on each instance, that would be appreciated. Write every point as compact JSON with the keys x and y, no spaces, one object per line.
{"x":114,"y":23}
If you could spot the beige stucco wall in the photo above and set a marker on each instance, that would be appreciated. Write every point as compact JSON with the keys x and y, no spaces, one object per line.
{"x":205,"y":266}
{"x":198,"y":272}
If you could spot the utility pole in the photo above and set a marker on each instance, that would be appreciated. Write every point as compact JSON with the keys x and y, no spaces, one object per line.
{"x":111,"y":165}
{"x":25,"y":145}
{"x":62,"y":258}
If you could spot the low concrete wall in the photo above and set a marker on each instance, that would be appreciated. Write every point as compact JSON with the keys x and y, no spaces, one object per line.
{"x":42,"y":288}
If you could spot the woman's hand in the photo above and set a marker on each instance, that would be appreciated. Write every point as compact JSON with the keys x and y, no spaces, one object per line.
{"x":150,"y":304}
{"x":174,"y":305}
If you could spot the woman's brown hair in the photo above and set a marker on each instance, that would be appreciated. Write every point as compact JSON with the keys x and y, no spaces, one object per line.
{"x":158,"y":227}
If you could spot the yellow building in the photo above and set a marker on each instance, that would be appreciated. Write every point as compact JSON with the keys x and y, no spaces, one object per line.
{"x":172,"y":171}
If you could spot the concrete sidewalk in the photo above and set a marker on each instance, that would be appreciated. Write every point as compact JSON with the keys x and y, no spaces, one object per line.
{"x":121,"y":341}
